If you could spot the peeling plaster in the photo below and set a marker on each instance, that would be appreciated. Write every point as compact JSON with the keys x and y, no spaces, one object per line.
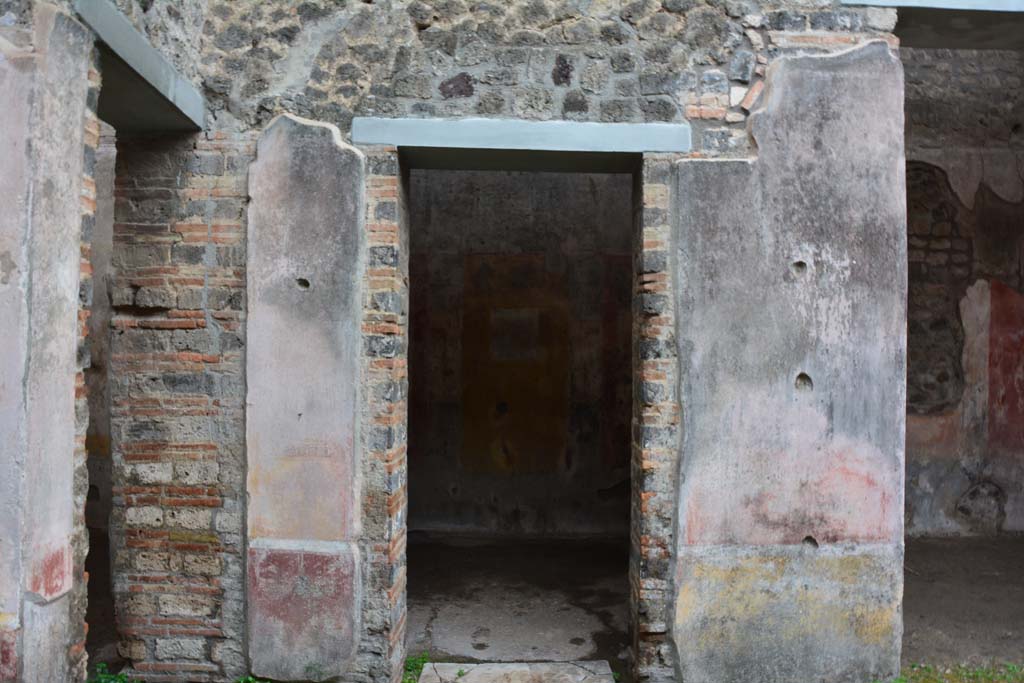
{"x":1000,"y":169}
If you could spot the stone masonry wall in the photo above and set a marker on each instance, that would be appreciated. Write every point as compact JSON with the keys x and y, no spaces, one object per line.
{"x":177,"y":395}
{"x":964,"y":98}
{"x":534,"y":59}
{"x":174,"y":27}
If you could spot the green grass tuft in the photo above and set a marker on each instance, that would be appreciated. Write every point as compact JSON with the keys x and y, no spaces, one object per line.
{"x":103,"y":675}
{"x":414,"y":667}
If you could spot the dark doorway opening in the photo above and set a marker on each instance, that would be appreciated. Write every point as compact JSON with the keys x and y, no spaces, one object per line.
{"x":520,"y":407}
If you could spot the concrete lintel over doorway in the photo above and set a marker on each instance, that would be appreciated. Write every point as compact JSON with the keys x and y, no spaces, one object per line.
{"x":513,"y":134}
{"x":142,"y":91}
{"x":975,"y":5}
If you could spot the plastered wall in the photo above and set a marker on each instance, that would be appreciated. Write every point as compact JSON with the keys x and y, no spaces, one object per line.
{"x":965,"y":224}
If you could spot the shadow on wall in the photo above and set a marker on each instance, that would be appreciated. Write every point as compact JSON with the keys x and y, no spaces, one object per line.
{"x":965,"y":376}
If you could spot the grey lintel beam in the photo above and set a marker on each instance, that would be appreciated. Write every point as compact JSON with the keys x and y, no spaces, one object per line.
{"x":974,"y":5}
{"x":141,"y":91}
{"x":514,"y":134}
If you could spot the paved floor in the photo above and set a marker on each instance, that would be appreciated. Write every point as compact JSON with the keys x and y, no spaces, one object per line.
{"x":559,"y":672}
{"x":472,"y":601}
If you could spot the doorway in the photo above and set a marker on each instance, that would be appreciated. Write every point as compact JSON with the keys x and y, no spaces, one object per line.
{"x":520,"y":393}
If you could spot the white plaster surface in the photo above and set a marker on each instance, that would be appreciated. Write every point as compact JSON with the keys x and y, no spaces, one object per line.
{"x":302,"y":362}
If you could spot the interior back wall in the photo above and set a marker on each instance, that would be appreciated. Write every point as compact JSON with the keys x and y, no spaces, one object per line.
{"x":520,"y":352}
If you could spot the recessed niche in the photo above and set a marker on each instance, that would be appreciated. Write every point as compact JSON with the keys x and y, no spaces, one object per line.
{"x":302,"y":282}
{"x":810,"y":542}
{"x":804,"y":382}
{"x":798,"y":268}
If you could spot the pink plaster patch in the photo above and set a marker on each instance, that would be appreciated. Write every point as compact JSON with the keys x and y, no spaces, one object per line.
{"x":51,"y":576}
{"x":1006,"y":371}
{"x":838,"y":493}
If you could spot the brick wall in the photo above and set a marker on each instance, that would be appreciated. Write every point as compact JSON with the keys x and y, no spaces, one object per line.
{"x":177,"y":397}
{"x":385,"y":415}
{"x":656,"y":428}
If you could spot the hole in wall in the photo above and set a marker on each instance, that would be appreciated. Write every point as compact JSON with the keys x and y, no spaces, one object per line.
{"x":302,"y":282}
{"x":804,"y":382}
{"x":810,"y":542}
{"x":798,"y":268}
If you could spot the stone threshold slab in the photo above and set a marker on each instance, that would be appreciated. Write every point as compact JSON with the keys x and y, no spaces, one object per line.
{"x":518,"y":672}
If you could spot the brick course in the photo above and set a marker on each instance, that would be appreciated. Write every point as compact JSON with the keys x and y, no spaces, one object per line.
{"x":656,"y":427}
{"x":384,"y":434}
{"x":177,"y":405}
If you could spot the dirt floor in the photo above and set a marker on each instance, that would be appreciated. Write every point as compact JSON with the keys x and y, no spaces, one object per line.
{"x":963,"y":601}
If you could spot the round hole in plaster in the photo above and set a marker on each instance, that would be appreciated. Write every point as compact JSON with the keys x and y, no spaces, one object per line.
{"x":803,"y":382}
{"x":798,"y":268}
{"x":302,"y":282}
{"x":810,"y":542}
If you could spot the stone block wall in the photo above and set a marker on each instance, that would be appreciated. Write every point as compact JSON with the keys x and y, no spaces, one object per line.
{"x":177,"y":393}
